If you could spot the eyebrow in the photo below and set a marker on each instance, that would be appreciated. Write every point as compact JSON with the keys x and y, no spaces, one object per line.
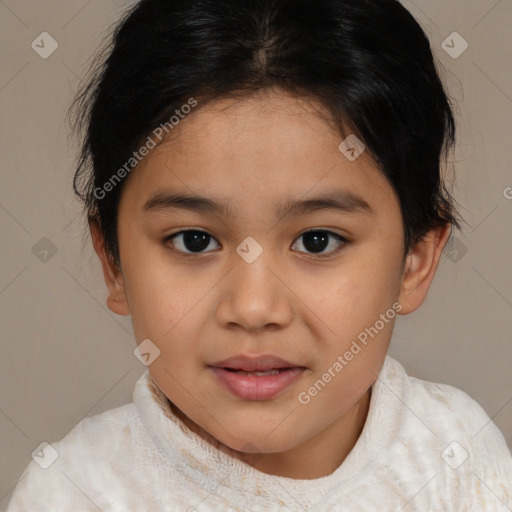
{"x":341,"y":201}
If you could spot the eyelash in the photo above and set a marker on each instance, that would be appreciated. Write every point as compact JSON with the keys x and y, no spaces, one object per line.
{"x":167,"y":239}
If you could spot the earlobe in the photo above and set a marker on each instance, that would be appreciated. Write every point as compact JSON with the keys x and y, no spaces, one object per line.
{"x":420,"y":268}
{"x":116,"y":300}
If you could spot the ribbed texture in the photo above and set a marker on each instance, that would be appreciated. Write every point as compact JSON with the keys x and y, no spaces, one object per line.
{"x":141,"y":457}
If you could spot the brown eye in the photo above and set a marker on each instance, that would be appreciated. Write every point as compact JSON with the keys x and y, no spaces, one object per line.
{"x":316,"y":241}
{"x":190,"y":241}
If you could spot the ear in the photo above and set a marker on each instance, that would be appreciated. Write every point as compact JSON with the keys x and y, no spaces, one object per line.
{"x":420,"y":267}
{"x":116,"y":300}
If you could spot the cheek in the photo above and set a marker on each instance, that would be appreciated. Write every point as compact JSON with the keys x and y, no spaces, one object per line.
{"x":354,"y":293}
{"x":164,"y":299}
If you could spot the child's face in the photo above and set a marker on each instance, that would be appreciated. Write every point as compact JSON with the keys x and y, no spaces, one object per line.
{"x":256,"y":155}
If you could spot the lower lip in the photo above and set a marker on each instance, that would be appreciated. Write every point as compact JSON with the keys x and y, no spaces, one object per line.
{"x":257,"y":387}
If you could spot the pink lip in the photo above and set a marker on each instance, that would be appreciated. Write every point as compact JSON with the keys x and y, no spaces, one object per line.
{"x":256,"y":387}
{"x":254,"y":363}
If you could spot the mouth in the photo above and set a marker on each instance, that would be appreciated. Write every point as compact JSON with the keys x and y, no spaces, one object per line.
{"x":257,"y":373}
{"x":256,"y":377}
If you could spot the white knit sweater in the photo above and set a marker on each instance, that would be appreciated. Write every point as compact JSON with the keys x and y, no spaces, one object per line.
{"x":424,"y":447}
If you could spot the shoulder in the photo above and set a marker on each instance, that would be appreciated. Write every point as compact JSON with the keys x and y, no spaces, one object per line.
{"x":449,"y":435}
{"x":53,"y":479}
{"x":445,"y":408}
{"x":450,"y":412}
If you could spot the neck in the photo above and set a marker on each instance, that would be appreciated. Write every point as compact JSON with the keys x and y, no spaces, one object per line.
{"x":322,"y":454}
{"x":318,"y":457}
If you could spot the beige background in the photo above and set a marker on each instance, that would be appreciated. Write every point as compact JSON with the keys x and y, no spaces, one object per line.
{"x":65,"y":356}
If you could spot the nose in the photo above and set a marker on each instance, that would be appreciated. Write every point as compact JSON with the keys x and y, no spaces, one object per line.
{"x":254,"y":296}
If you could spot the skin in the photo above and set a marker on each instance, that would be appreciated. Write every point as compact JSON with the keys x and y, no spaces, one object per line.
{"x":256,"y":153}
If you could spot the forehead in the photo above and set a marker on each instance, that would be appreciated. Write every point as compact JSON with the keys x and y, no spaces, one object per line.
{"x":256,"y":151}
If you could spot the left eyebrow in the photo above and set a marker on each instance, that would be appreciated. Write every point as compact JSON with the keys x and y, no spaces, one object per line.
{"x":341,"y":201}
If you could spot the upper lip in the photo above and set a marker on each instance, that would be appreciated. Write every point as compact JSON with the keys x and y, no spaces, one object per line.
{"x":254,"y":363}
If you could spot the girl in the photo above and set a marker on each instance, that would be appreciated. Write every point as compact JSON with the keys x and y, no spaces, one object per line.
{"x":263,"y":189}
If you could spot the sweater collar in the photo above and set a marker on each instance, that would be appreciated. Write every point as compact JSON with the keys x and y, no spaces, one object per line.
{"x":218,"y":467}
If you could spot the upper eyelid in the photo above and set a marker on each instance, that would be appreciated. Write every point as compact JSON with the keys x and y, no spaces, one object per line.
{"x":311,"y":230}
{"x":341,"y":238}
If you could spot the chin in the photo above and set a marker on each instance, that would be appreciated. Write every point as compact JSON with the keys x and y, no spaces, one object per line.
{"x":256,"y":442}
